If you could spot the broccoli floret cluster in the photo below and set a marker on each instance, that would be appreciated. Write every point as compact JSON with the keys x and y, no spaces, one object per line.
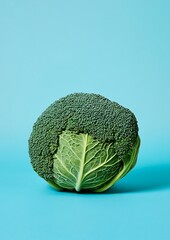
{"x":104,"y":120}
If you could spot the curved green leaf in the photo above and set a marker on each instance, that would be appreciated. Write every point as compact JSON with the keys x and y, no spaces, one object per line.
{"x":82,"y":162}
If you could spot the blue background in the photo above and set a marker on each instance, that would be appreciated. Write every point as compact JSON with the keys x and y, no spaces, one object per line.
{"x":120,"y":49}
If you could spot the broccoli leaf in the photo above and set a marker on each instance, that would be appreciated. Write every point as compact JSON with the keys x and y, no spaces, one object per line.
{"x":82,"y":162}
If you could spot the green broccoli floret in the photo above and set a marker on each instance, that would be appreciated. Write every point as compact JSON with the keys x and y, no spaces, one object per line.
{"x":84,"y":141}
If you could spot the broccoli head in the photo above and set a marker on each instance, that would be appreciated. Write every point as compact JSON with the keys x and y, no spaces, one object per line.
{"x":84,"y":142}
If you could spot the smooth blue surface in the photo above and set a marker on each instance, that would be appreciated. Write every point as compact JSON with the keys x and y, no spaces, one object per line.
{"x":120,"y":49}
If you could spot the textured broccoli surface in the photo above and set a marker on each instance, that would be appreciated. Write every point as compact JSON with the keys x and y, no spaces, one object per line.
{"x":93,"y":114}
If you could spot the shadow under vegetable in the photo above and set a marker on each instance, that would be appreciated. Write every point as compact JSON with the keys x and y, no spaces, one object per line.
{"x":143,"y":179}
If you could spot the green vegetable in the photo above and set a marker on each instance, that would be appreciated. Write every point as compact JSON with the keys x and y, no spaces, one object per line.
{"x":84,"y":141}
